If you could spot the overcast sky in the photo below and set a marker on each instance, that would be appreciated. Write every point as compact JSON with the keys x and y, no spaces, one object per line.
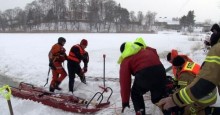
{"x":203,"y":9}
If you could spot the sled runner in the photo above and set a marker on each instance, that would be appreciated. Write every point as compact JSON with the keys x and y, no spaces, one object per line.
{"x":62,"y":101}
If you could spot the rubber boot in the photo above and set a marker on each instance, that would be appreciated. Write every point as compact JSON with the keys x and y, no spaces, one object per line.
{"x":51,"y":88}
{"x":57,"y":85}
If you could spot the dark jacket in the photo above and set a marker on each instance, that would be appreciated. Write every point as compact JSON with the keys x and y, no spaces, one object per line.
{"x":215,"y":36}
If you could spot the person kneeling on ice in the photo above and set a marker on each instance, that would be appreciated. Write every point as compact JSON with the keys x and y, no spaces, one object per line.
{"x":57,"y":56}
{"x":76,"y":55}
{"x":144,"y":64}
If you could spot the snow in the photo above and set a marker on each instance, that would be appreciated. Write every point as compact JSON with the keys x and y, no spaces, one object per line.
{"x":24,"y":58}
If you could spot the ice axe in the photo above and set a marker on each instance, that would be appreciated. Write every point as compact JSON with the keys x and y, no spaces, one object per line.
{"x":103,"y":87}
{"x":6,"y":92}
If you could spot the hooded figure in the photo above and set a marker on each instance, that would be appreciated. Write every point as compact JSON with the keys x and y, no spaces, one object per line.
{"x":150,"y":75}
{"x":215,"y":35}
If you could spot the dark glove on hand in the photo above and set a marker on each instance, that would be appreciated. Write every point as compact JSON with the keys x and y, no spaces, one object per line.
{"x":206,"y":43}
{"x":85,"y":69}
{"x":51,"y":65}
{"x":124,"y":105}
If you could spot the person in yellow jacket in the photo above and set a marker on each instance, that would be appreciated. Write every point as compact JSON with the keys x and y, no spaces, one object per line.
{"x":203,"y":88}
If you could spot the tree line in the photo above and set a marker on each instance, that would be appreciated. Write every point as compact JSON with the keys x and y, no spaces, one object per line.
{"x":78,"y":16}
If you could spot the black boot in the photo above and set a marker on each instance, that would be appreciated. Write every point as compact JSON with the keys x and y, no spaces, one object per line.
{"x":57,"y":85}
{"x":51,"y":88}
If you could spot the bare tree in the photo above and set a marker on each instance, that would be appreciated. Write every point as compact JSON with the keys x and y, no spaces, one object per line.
{"x":150,"y":19}
{"x":35,"y":15}
{"x":109,"y":7}
{"x":20,"y":19}
{"x":3,"y":21}
{"x":93,"y":16}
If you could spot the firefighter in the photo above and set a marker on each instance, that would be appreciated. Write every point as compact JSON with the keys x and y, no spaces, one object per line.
{"x":76,"y":55}
{"x":144,"y":64}
{"x":202,"y":89}
{"x":57,"y":56}
{"x":186,"y":71}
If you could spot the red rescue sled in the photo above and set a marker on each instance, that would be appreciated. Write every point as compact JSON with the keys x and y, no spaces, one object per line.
{"x":62,"y":101}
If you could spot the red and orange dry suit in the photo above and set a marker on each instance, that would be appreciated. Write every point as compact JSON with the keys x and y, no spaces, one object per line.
{"x":174,"y":53}
{"x":57,"y":55}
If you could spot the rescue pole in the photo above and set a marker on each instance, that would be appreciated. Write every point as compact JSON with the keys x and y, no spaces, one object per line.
{"x":6,"y":92}
{"x":47,"y":77}
{"x":104,"y":88}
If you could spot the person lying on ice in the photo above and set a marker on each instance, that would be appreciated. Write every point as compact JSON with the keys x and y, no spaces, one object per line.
{"x":143,"y":63}
{"x":76,"y":55}
{"x":57,"y":56}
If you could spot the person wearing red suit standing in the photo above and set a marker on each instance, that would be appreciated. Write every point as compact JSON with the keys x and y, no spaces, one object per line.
{"x":57,"y":56}
{"x":143,"y":63}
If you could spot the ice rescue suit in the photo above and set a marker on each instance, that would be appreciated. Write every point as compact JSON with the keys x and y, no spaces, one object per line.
{"x":57,"y":56}
{"x":144,"y":64}
{"x":76,"y":55}
{"x":174,"y":53}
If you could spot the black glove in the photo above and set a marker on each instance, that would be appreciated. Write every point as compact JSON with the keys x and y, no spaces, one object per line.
{"x":51,"y":65}
{"x":207,"y":43}
{"x":124,"y":105}
{"x":82,"y":77}
{"x":84,"y":69}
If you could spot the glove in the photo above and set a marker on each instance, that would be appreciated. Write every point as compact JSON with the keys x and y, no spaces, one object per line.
{"x":51,"y":65}
{"x":124,"y":105}
{"x":83,"y":79}
{"x":206,"y":43}
{"x":85,"y":69}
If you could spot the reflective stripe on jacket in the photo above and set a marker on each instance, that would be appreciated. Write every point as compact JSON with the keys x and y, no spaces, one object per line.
{"x":189,"y":67}
{"x":202,"y":89}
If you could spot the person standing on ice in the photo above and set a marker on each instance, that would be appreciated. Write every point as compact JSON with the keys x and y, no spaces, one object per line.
{"x":143,"y":62}
{"x":57,"y":56}
{"x":76,"y":55}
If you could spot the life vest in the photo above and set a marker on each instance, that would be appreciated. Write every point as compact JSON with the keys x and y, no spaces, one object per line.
{"x":190,"y":67}
{"x":72,"y":55}
{"x":174,"y":53}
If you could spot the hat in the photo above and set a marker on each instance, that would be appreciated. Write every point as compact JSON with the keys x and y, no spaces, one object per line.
{"x":84,"y":42}
{"x":178,"y":61}
{"x":216,"y":27}
{"x":122,"y":47}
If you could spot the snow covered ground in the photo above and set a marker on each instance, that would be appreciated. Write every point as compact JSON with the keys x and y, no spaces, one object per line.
{"x":24,"y":58}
